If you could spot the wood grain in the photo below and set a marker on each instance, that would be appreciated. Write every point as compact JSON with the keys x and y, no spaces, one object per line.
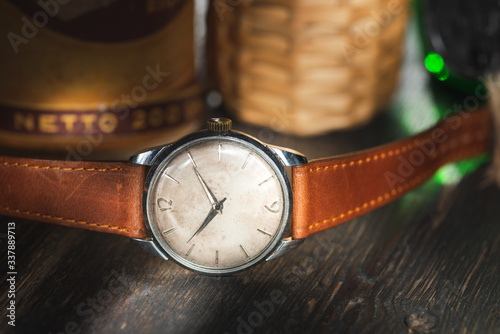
{"x":414,"y":266}
{"x":427,"y":263}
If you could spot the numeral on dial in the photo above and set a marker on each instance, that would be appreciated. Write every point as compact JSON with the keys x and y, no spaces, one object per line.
{"x":274,"y":208}
{"x":163,"y":204}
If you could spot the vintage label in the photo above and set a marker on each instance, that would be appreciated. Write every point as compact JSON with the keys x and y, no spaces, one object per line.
{"x":122,"y":120}
{"x":122,"y":70}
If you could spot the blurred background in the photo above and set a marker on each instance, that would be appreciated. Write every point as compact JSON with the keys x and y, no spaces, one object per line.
{"x":104,"y":79}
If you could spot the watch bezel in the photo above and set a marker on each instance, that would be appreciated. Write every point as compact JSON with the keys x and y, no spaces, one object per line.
{"x":168,"y":152}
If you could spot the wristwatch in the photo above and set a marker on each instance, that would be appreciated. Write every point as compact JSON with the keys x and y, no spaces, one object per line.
{"x":219,"y":201}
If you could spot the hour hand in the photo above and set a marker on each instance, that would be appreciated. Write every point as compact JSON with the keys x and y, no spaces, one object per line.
{"x":211,"y":215}
{"x":207,"y":190}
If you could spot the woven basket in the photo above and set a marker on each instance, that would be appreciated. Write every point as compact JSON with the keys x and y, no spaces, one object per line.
{"x":305,"y":67}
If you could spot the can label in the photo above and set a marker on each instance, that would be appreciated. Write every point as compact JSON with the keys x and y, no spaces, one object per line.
{"x":119,"y":121}
{"x":121,"y":68}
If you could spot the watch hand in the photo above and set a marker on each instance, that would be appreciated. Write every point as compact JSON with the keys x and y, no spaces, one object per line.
{"x":209,"y":193}
{"x":216,"y":209}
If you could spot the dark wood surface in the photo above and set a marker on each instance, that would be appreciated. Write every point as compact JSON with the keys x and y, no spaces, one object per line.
{"x":427,"y":263}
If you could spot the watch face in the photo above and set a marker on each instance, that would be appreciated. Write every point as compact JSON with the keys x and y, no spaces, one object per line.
{"x":218,"y":204}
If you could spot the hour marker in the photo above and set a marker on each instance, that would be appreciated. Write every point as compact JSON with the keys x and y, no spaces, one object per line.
{"x":163,"y":204}
{"x":216,"y":257}
{"x":244,"y":251}
{"x":264,"y":232}
{"x":268,"y":179}
{"x":190,"y":249}
{"x":192,"y":160}
{"x":172,"y":179}
{"x":247,"y":160}
{"x":220,"y":151}
{"x":274,"y":208}
{"x":173,"y":229}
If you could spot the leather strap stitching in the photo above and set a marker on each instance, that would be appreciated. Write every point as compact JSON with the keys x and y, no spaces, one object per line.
{"x":379,"y":198}
{"x":15,"y":164}
{"x":465,"y":138}
{"x":63,"y":219}
{"x":413,"y":182}
{"x":376,"y":157}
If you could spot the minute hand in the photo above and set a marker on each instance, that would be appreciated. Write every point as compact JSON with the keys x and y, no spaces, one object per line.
{"x":207,"y":190}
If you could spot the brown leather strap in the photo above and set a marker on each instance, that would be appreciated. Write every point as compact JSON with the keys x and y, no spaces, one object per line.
{"x":98,"y":196}
{"x":331,"y":191}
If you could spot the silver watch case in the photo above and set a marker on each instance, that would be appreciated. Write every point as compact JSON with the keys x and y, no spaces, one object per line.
{"x":281,"y":157}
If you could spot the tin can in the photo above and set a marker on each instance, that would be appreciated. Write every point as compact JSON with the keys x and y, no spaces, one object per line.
{"x":88,"y":79}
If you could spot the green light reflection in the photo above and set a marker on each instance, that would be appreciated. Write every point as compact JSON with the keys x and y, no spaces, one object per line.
{"x":451,"y":173}
{"x":435,"y":64}
{"x":454,"y":172}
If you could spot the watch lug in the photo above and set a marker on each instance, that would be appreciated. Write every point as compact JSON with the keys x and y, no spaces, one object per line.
{"x":288,"y":156}
{"x":286,"y":245}
{"x":146,"y":158}
{"x":149,"y":247}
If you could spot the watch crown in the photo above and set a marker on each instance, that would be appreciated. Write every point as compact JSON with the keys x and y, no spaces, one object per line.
{"x":219,"y":124}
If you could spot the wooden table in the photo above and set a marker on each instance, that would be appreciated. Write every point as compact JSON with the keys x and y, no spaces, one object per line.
{"x":427,"y":263}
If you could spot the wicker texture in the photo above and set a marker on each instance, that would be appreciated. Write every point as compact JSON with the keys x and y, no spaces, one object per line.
{"x":306,"y":66}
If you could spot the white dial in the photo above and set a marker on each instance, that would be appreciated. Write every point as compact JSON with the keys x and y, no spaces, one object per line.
{"x":217,"y":204}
